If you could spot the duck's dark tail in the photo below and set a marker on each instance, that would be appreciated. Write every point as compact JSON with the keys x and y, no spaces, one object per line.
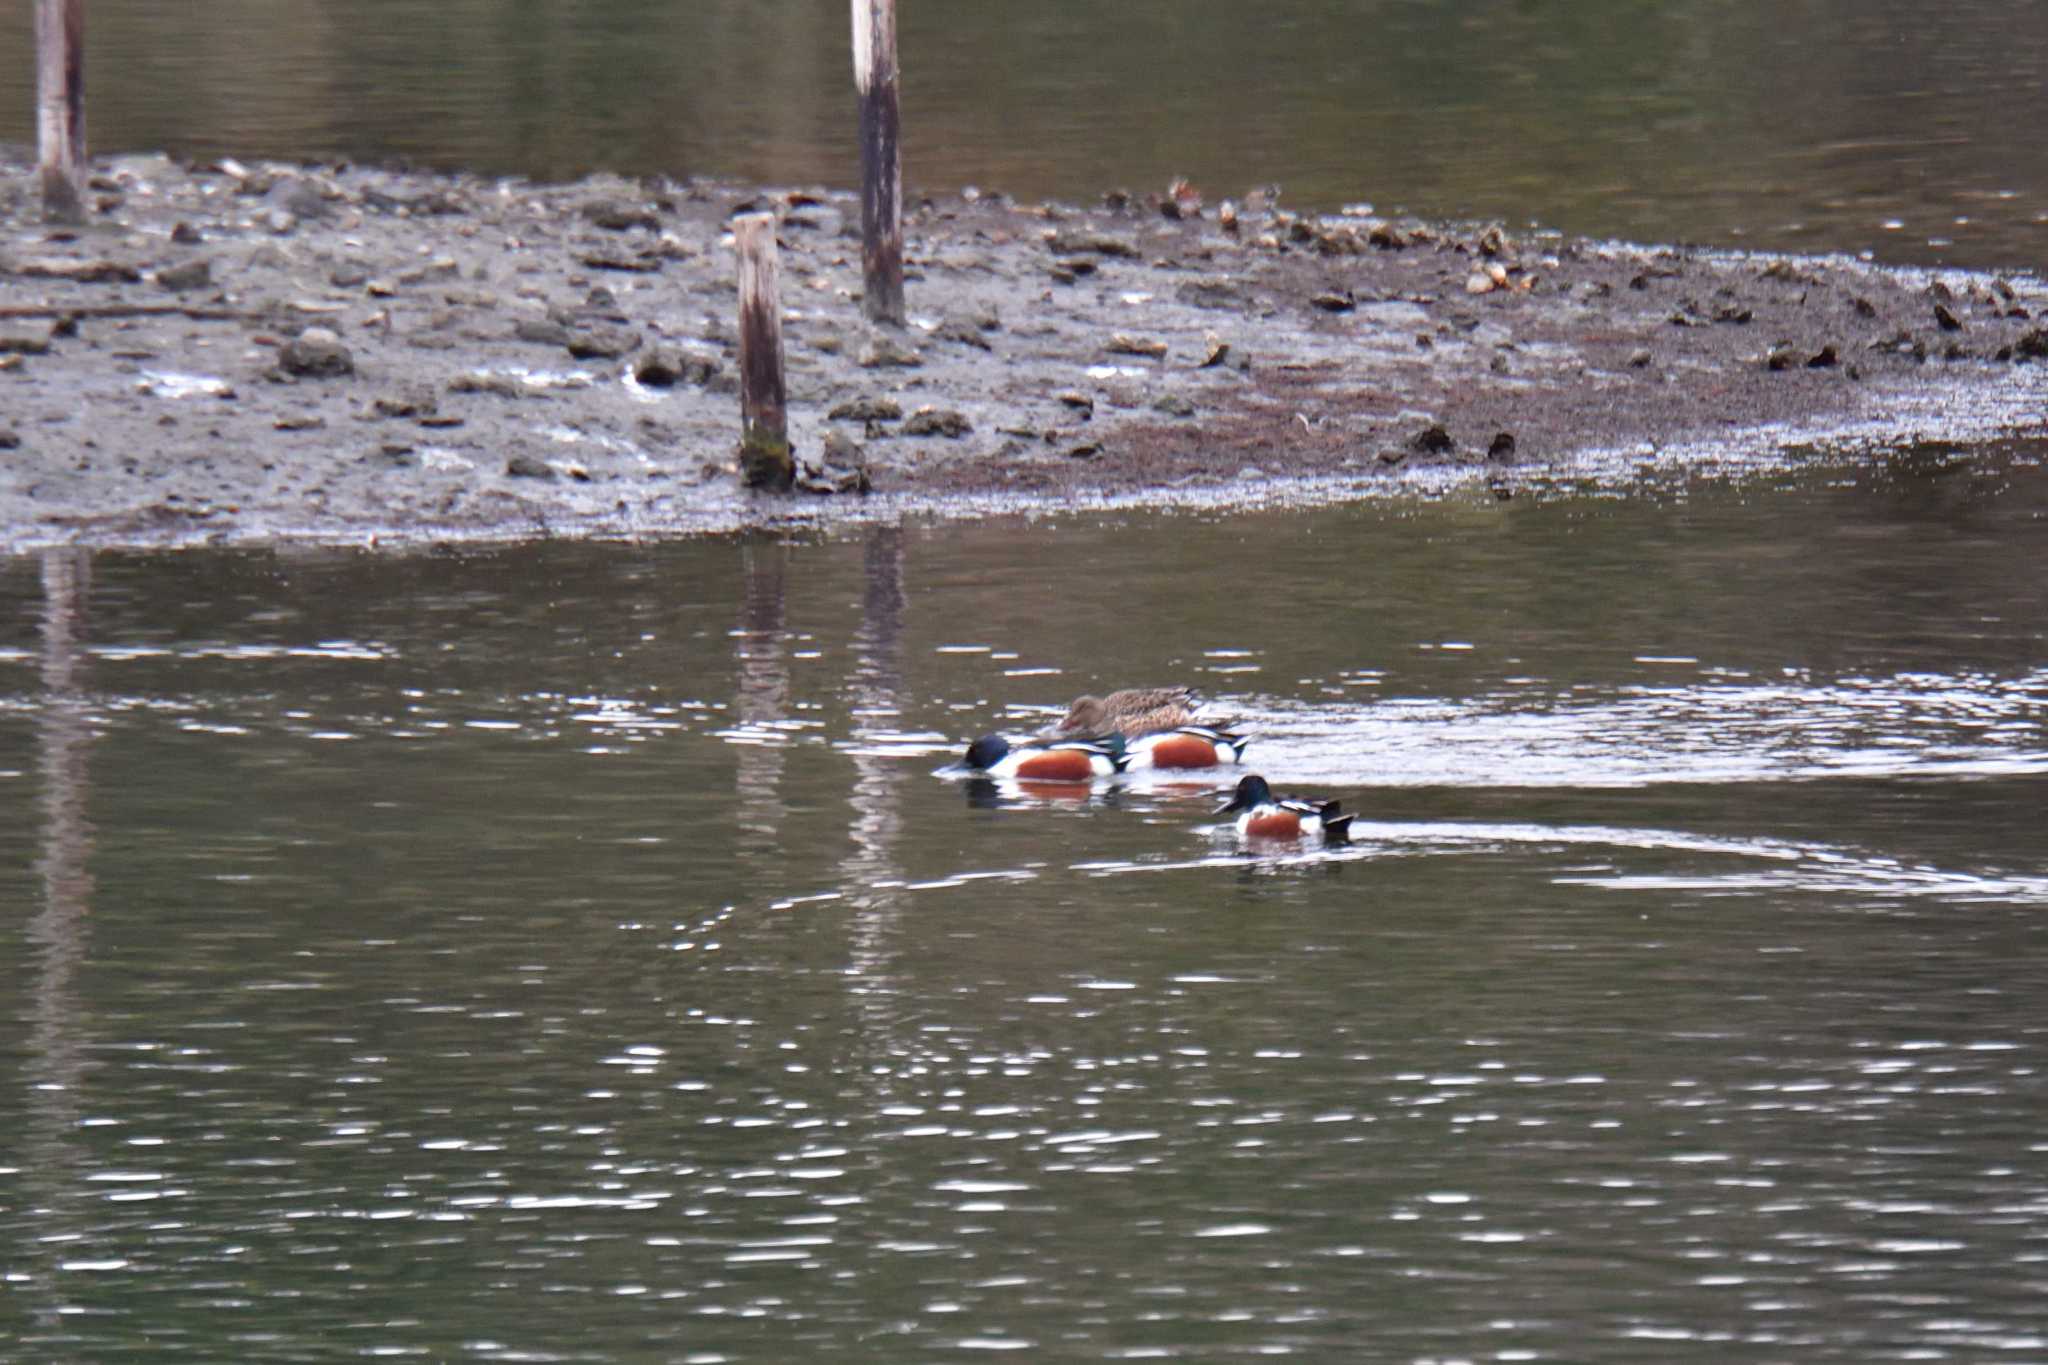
{"x":1336,"y":824}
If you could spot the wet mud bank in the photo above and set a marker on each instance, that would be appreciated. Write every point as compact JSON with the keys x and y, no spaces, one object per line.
{"x":274,"y":353}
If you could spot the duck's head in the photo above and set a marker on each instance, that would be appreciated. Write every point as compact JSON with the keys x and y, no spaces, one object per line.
{"x":986,"y":752}
{"x":1251,"y":791}
{"x":1087,"y":716}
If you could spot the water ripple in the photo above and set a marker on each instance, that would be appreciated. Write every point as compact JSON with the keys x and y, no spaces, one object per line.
{"x":1911,"y":724}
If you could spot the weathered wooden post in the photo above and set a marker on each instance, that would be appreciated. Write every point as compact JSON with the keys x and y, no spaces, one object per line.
{"x":765,"y":460}
{"x":60,"y":107}
{"x":881,"y":160}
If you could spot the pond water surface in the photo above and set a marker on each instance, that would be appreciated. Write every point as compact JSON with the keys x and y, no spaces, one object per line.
{"x":568,"y":952}
{"x":1906,"y":129}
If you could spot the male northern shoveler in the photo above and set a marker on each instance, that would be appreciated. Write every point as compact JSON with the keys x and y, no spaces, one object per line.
{"x":1048,"y":760}
{"x":1266,"y":816}
{"x":1132,"y":712}
{"x":1187,"y":746}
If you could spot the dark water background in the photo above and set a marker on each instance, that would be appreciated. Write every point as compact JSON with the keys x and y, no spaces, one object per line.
{"x":1906,"y":129}
{"x":567,"y":952}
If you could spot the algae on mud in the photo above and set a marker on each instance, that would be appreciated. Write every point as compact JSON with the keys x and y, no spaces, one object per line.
{"x":508,"y":359}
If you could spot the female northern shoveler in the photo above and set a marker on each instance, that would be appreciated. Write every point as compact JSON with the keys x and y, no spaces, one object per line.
{"x":1048,"y":760}
{"x":1187,"y":746}
{"x":1132,"y":712}
{"x":1266,"y":816}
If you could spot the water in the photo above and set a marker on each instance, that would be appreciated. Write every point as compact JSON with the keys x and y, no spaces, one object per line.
{"x":1843,"y":125}
{"x":567,"y":952}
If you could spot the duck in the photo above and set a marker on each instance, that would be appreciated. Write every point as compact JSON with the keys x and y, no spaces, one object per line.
{"x":1158,"y":725}
{"x":1048,"y":760}
{"x":1132,"y":713}
{"x":1186,"y":746}
{"x":1262,"y":815}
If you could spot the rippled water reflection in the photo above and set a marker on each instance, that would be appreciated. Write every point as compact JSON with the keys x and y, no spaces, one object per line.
{"x":569,"y":953}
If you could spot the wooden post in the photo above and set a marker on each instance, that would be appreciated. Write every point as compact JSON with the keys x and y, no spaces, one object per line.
{"x":881,"y":160}
{"x":60,"y":107}
{"x":765,"y":460}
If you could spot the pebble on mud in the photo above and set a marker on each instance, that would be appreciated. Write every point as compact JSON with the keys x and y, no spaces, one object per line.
{"x":316,"y":353}
{"x":1125,"y":344}
{"x":81,"y":272}
{"x":297,"y":197}
{"x":602,"y":342}
{"x":529,"y":467}
{"x":1082,"y":243}
{"x":540,"y":331}
{"x":963,"y":331}
{"x":617,"y":215}
{"x":937,"y":422}
{"x":842,"y":468}
{"x":664,"y":367}
{"x":1225,"y":296}
{"x":433,"y":272}
{"x":1787,"y":273}
{"x":867,"y":410}
{"x":1387,"y":237}
{"x":407,"y":403}
{"x":636,"y":263}
{"x":1788,"y":357}
{"x":1183,"y":201}
{"x":503,"y":385}
{"x":9,"y":440}
{"x":886,"y":353}
{"x":191,"y":275}
{"x":1432,"y":440}
{"x":1901,"y":343}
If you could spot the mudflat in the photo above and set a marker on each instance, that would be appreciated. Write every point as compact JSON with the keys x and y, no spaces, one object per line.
{"x":269,"y":353}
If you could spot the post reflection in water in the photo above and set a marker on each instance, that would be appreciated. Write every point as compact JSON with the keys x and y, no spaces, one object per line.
{"x":870,"y":873}
{"x":57,"y":932}
{"x":761,"y":693}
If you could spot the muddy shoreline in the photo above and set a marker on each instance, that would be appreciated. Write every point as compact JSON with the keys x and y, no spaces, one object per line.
{"x":274,"y":353}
